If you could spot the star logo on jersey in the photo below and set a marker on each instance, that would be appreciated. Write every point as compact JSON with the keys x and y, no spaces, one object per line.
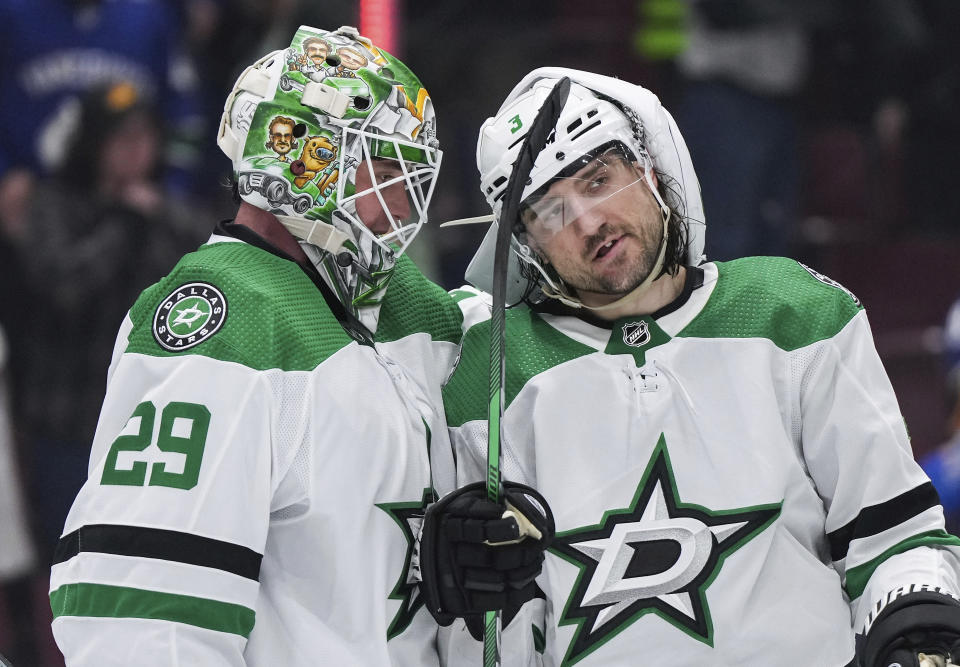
{"x":659,"y":556}
{"x":409,"y":516}
{"x":188,"y":316}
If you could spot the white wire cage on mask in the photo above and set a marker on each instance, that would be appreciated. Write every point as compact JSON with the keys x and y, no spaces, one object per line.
{"x":402,"y":177}
{"x":343,"y":119}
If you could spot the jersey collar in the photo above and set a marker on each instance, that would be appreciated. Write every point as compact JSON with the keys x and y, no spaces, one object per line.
{"x":348,"y":321}
{"x":694,"y":280}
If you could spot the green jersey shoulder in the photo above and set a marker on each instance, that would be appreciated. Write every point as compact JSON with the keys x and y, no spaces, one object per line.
{"x":771,"y":298}
{"x":235,"y":302}
{"x":775,"y":298}
{"x":414,"y":304}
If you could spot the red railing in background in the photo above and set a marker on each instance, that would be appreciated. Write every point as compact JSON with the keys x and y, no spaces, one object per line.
{"x":380,"y":22}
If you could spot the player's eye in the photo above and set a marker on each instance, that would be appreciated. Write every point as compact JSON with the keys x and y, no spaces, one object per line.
{"x":548,"y":214}
{"x":598,"y":182}
{"x":387,"y":172}
{"x":554,"y":212}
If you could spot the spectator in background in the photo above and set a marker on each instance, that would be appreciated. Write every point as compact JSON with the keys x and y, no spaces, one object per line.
{"x":55,"y":50}
{"x":745,"y":62}
{"x":100,"y":231}
{"x":943,"y":464}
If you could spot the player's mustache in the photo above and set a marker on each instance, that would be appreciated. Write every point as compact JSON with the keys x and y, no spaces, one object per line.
{"x":594,"y":241}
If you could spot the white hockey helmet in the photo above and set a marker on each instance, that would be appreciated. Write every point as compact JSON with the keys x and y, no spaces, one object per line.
{"x":600,"y":111}
{"x":300,"y":122}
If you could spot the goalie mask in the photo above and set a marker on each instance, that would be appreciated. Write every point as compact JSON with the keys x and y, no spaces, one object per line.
{"x":299,"y":126}
{"x":615,"y":128}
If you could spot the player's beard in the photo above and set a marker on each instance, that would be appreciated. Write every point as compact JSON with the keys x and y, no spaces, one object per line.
{"x":631,"y":268}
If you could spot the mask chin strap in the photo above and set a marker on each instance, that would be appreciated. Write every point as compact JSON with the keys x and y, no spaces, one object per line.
{"x":317,"y":233}
{"x":555,"y":292}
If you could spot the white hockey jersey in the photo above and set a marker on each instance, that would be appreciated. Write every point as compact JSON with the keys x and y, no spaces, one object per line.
{"x":731,"y":477}
{"x":257,"y":477}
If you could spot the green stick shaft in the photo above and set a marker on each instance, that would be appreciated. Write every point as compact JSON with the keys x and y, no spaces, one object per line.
{"x":535,"y":140}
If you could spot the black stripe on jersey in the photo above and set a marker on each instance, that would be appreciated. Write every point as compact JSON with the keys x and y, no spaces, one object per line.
{"x":161,"y":544}
{"x":878,"y":518}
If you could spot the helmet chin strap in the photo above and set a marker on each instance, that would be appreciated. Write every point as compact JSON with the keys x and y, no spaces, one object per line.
{"x":632,"y":295}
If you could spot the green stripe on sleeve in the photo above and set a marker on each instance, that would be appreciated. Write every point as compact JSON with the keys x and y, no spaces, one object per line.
{"x":857,"y":577}
{"x":459,"y":295}
{"x":102,"y":601}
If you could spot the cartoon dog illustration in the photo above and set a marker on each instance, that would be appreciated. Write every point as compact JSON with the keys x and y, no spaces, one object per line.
{"x":316,"y":159}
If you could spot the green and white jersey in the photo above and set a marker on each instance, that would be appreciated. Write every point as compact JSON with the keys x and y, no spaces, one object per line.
{"x":731,"y":477}
{"x":257,"y":477}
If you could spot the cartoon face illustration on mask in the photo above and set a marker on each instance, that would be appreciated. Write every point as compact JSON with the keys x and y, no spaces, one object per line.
{"x":280,"y":137}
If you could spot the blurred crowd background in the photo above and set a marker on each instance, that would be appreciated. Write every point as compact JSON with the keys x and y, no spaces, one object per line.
{"x":824,"y":130}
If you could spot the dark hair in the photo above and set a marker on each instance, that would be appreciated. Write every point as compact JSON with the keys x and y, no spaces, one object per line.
{"x":317,"y":40}
{"x":678,"y":227}
{"x":234,"y":187}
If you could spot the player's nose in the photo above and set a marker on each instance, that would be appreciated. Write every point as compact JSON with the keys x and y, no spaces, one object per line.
{"x":395,"y":197}
{"x":587,"y":217}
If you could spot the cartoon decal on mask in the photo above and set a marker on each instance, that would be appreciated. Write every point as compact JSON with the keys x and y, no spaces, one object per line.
{"x":316,"y":162}
{"x":294,"y":158}
{"x":326,"y":61}
{"x":281,"y":138}
{"x":313,"y":57}
{"x":289,"y":180}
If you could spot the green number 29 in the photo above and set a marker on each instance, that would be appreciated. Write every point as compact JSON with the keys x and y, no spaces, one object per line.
{"x":191,"y":445}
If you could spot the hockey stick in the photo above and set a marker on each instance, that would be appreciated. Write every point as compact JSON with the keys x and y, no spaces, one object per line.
{"x":536,"y":139}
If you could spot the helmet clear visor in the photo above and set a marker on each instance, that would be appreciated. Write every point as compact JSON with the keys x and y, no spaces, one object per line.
{"x":394,"y":183}
{"x":608,"y":176}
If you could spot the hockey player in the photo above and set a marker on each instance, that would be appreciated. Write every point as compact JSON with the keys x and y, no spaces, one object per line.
{"x":729,"y":471}
{"x":262,"y":455}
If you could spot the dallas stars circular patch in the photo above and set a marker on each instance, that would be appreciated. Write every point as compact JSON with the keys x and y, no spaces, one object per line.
{"x":188,"y":316}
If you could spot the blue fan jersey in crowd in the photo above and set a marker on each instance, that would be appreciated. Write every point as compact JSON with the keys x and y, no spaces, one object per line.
{"x":52,"y":51}
{"x":943,"y":463}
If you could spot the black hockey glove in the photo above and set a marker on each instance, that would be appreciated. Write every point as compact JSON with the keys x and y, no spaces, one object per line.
{"x":916,"y":630}
{"x":477,"y":556}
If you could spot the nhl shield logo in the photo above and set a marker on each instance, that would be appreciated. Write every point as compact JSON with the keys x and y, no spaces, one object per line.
{"x":188,"y":316}
{"x":636,"y":334}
